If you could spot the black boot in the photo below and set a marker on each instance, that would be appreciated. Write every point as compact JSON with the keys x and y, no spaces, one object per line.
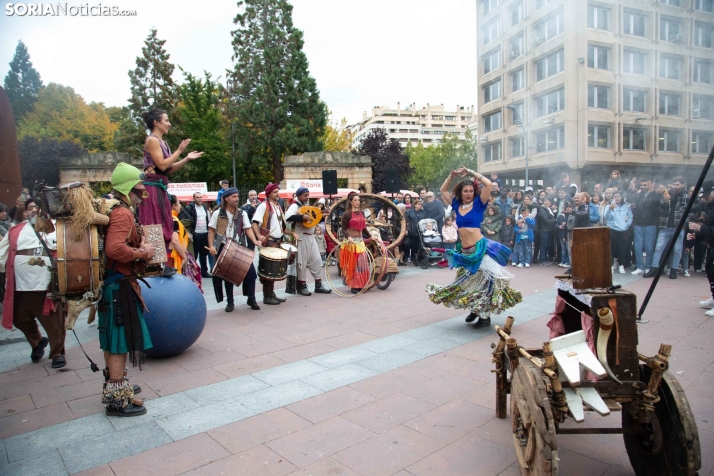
{"x":471,"y":317}
{"x":168,"y":271}
{"x":270,"y":300}
{"x":277,"y":298}
{"x":650,"y":273}
{"x":229,"y":307}
{"x":321,"y":289}
{"x":253,"y":304}
{"x":672,"y":273}
{"x":302,"y":290}
{"x":117,"y":397}
{"x":483,"y":322}
{"x":39,"y":351}
{"x":291,"y":285}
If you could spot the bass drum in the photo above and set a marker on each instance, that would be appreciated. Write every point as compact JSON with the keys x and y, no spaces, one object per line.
{"x":78,"y":261}
{"x":233,"y":262}
{"x":273,"y":264}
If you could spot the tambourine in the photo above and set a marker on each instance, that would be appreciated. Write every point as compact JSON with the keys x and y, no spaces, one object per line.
{"x":314,"y":212}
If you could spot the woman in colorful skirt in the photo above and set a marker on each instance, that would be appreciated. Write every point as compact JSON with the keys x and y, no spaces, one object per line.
{"x":354,"y":262}
{"x":159,"y":162}
{"x":481,"y":284}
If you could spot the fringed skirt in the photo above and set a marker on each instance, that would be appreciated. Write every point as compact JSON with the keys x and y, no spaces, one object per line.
{"x":482,"y":282}
{"x":354,"y":264}
{"x":156,"y":209}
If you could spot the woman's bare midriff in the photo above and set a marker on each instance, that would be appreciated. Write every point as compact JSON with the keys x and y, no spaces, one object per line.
{"x":353,"y":233}
{"x":469,"y":236}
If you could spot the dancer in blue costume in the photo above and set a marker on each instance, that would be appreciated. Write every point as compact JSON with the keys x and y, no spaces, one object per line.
{"x":481,"y":284}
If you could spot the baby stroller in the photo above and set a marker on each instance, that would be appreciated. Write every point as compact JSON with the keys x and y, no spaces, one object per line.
{"x":431,"y":244}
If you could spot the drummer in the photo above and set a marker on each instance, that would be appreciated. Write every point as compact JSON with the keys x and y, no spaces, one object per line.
{"x":308,"y":256}
{"x":230,"y":222}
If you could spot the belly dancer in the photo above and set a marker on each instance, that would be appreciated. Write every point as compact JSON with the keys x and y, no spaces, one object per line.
{"x":482,"y":282}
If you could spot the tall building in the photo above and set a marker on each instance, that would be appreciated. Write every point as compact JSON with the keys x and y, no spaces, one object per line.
{"x":588,"y":86}
{"x":428,"y":124}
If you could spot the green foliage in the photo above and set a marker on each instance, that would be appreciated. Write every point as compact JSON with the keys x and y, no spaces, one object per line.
{"x":22,"y":82}
{"x":386,"y":154}
{"x":275,"y":105}
{"x":432,"y":164}
{"x":40,"y":159}
{"x":62,"y":114}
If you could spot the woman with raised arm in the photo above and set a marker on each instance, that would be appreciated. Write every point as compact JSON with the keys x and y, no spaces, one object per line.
{"x":481,"y":284}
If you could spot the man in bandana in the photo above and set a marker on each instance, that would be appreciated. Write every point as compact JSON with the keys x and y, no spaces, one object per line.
{"x":308,"y":256}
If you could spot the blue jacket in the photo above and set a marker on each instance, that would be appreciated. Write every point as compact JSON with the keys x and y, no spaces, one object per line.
{"x":220,"y":194}
{"x":594,"y":214}
{"x":531,"y":225}
{"x":620,"y":218}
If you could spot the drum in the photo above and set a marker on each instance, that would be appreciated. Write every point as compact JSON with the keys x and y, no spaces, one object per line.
{"x":273,"y":264}
{"x":78,"y":261}
{"x":233,"y":263}
{"x":292,"y":252}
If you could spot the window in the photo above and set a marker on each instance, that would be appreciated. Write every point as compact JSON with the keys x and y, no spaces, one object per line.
{"x":492,"y":60}
{"x":633,"y":100}
{"x":669,"y":104}
{"x":517,"y":13}
{"x":492,"y":91}
{"x":702,"y":72}
{"x":598,"y":57}
{"x":701,"y":142}
{"x":449,"y":118}
{"x":550,"y":140}
{"x":668,"y":141}
{"x":633,"y":138}
{"x":492,"y":152}
{"x":550,"y":102}
{"x":703,"y":33}
{"x":492,"y":122}
{"x":669,"y":30}
{"x":633,"y":24}
{"x":517,"y":44}
{"x":674,"y":3}
{"x":466,"y":118}
{"x":598,"y":17}
{"x":541,"y":3}
{"x":491,"y":30}
{"x":669,"y":67}
{"x":598,"y":97}
{"x":518,"y":114}
{"x":704,"y":6}
{"x":550,"y":27}
{"x":633,"y":62}
{"x":489,"y":5}
{"x":518,"y":147}
{"x":518,"y":79}
{"x":701,"y":107}
{"x":550,"y":65}
{"x":599,"y":137}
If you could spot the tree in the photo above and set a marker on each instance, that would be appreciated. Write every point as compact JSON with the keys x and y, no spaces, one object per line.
{"x":276,"y":107}
{"x":151,"y":87}
{"x":22,"y":82}
{"x":62,"y":114}
{"x":40,"y":159}
{"x":337,"y":138}
{"x":432,"y":164}
{"x":386,"y":154}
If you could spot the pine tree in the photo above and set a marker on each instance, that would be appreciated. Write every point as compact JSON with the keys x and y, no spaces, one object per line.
{"x":386,"y":154}
{"x":22,"y":82}
{"x":276,"y":107}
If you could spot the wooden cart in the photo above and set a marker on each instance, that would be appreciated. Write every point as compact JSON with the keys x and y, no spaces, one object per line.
{"x":658,"y":427}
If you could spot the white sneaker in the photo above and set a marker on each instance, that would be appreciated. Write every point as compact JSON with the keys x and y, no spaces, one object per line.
{"x":614,"y":269}
{"x":520,"y":265}
{"x":637,"y":271}
{"x":686,"y":274}
{"x":621,"y":269}
{"x":697,"y":270}
{"x":527,"y":265}
{"x":513,"y":263}
{"x":709,"y":313}
{"x":708,"y":303}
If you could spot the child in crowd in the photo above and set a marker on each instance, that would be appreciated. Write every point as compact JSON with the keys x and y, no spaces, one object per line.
{"x":508,"y":236}
{"x":492,"y":223}
{"x":321,"y":245}
{"x":450,"y":233}
{"x":524,"y":238}
{"x":561,"y":234}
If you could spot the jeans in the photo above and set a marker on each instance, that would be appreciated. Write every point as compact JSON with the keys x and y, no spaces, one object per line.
{"x":200,"y":242}
{"x":645,"y":239}
{"x":665,"y":234}
{"x":524,"y":251}
{"x":564,"y":254}
{"x":545,"y":245}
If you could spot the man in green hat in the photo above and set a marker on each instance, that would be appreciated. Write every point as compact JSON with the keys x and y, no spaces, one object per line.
{"x":122,"y":329}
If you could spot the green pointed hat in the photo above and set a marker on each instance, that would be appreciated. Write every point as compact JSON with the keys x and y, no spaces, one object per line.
{"x":125,"y":177}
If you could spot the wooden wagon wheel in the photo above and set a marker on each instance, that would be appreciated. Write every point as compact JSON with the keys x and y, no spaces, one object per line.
{"x":532,"y":421}
{"x":670,"y":442}
{"x":333,"y":220}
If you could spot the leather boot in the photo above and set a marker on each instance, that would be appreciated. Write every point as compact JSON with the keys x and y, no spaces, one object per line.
{"x":253,"y":304}
{"x":274,"y":296}
{"x":117,"y":398}
{"x":291,"y":285}
{"x":650,"y":273}
{"x":483,"y":322}
{"x":302,"y":289}
{"x":270,"y":300}
{"x":471,"y":317}
{"x":321,"y":288}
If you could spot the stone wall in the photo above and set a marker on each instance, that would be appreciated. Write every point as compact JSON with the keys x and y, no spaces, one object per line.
{"x":355,"y":168}
{"x":96,"y":167}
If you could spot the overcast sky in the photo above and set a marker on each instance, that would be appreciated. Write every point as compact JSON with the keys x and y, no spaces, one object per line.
{"x":362,"y":54}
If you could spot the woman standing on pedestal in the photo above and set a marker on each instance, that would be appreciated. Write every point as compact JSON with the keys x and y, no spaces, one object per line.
{"x":481,"y":284}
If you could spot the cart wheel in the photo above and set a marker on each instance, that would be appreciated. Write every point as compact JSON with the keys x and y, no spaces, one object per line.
{"x":670,"y":445}
{"x":386,"y":281}
{"x":532,"y":420}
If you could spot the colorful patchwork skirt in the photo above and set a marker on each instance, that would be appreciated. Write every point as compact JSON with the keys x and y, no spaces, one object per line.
{"x":354,"y":264}
{"x":482,"y":282}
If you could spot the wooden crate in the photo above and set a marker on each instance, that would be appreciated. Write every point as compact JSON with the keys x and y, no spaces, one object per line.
{"x":591,"y":260}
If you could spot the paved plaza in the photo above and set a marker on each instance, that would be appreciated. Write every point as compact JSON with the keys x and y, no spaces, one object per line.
{"x":385,"y":383}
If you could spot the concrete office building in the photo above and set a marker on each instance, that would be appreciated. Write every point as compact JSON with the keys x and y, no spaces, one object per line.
{"x":588,"y":86}
{"x":428,"y":124}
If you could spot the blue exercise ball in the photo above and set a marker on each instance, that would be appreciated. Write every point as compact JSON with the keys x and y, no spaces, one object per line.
{"x":177,"y":314}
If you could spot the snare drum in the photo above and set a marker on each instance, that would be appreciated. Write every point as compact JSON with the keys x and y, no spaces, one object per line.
{"x":233,"y":263}
{"x":273,"y":264}
{"x":78,"y":262}
{"x":292,"y":252}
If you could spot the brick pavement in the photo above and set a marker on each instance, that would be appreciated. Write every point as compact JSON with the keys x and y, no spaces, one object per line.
{"x":424,"y":411}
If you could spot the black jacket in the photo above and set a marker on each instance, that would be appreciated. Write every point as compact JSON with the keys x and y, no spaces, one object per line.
{"x":413,"y":218}
{"x":645,"y":208}
{"x":190,"y":210}
{"x":545,"y":219}
{"x":707,"y":229}
{"x":582,"y":216}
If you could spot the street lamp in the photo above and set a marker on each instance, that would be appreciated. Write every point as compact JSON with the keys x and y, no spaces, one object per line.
{"x":517,"y":120}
